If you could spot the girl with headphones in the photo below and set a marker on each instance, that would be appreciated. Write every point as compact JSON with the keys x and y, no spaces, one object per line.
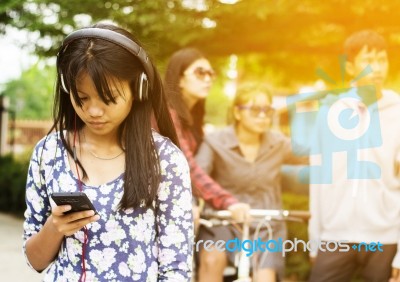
{"x":102,"y":144}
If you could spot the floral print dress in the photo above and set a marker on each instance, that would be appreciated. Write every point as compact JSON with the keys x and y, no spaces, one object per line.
{"x":140,"y":244}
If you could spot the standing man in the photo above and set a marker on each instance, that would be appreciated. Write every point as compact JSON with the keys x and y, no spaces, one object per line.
{"x":355,"y":181}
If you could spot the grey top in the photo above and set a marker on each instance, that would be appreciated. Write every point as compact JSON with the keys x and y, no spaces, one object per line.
{"x":257,"y":183}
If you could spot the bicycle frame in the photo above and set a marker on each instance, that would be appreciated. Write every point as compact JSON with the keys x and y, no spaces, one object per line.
{"x":243,"y":269}
{"x":244,"y":261}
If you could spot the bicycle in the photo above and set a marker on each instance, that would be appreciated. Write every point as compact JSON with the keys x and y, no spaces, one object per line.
{"x":211,"y":218}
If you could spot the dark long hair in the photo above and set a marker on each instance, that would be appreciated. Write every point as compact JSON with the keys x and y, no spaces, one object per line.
{"x":190,"y":119}
{"x":101,"y":59}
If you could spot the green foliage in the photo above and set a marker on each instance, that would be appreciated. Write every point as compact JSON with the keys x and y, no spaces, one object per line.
{"x":8,"y":10}
{"x":13,"y":174}
{"x":289,"y":39}
{"x":31,"y":95}
{"x":217,"y":105}
{"x":148,"y":20}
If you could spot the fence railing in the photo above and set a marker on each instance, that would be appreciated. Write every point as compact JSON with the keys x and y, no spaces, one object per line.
{"x":26,"y":133}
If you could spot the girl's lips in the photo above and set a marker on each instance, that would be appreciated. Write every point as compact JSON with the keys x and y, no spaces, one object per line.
{"x":97,"y":124}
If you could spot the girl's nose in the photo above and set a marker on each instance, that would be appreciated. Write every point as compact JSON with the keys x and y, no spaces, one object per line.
{"x":95,"y":108}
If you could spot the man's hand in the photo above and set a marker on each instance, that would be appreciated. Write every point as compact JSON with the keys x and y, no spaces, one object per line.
{"x":240,"y":212}
{"x":395,"y":275}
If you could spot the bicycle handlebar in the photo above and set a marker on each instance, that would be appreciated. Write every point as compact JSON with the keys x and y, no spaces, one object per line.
{"x":259,"y":213}
{"x":208,"y":217}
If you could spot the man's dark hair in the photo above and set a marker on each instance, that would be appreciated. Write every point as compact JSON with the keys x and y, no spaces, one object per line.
{"x":356,"y":41}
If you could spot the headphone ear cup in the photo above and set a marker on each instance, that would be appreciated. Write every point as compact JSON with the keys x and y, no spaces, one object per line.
{"x":63,"y":84}
{"x":143,"y":87}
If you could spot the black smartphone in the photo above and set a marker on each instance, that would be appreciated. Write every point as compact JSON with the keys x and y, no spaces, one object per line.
{"x":78,"y":201}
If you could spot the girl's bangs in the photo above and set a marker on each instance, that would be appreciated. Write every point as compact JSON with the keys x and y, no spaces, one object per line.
{"x":102,"y":82}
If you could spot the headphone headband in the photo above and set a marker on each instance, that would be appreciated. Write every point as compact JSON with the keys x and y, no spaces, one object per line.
{"x":116,"y":38}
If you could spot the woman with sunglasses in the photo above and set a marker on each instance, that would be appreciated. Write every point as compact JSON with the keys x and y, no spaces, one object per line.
{"x":246,"y":158}
{"x":188,"y":79}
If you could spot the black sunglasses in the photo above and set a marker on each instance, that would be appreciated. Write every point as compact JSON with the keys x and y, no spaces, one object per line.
{"x":255,"y":111}
{"x":202,"y":73}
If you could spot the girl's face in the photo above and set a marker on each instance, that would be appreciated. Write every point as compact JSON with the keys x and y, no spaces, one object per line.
{"x":197,"y":80}
{"x":100,"y":118}
{"x":256,"y":115}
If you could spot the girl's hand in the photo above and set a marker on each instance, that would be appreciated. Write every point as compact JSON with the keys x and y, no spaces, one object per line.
{"x":68,"y":224}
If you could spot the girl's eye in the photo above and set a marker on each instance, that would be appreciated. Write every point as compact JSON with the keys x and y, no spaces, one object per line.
{"x":83,"y":99}
{"x":115,"y":98}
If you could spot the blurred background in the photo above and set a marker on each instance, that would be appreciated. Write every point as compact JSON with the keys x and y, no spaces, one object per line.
{"x":294,"y":46}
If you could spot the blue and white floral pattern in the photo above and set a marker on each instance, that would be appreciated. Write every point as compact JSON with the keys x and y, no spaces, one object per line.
{"x":124,"y":245}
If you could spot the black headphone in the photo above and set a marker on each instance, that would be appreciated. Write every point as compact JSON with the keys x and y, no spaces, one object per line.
{"x":120,"y":40}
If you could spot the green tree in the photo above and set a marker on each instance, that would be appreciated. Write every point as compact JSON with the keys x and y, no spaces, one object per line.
{"x":282,"y":42}
{"x":292,"y":38}
{"x":31,"y":95}
{"x":162,"y":25}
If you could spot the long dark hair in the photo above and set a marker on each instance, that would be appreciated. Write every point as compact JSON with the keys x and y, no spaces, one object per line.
{"x":190,"y":119}
{"x":102,"y":59}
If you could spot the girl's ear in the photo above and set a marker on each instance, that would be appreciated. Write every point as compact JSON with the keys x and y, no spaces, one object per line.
{"x":236,"y":113}
{"x":349,"y":66}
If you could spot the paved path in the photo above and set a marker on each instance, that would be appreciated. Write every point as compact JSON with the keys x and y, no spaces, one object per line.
{"x":12,"y":262}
